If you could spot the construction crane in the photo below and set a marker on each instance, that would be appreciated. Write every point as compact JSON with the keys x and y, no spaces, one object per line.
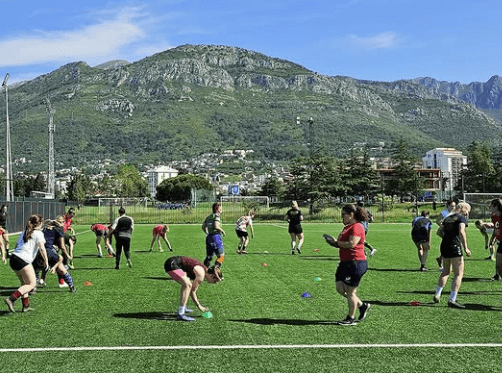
{"x":51,"y":177}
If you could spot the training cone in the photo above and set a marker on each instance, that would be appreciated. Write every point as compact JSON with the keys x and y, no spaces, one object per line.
{"x":207,"y":314}
{"x":264,"y":264}
{"x":87,"y":283}
{"x":306,"y":295}
{"x":415,"y":303}
{"x":318,"y":279}
{"x":266,"y":252}
{"x":316,"y":250}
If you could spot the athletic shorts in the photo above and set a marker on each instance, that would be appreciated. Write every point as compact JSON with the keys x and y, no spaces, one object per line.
{"x":351,"y":272}
{"x":16,"y":263}
{"x":241,"y":233}
{"x":52,"y":256}
{"x":499,"y":247}
{"x":451,"y":252}
{"x":214,"y":245}
{"x":420,"y":238}
{"x":100,"y":233}
{"x":295,"y":228}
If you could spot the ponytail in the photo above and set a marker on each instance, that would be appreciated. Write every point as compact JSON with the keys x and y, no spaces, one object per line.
{"x":33,"y":222}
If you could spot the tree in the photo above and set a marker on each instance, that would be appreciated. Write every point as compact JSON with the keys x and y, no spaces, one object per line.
{"x":80,"y":187}
{"x":405,"y":179}
{"x":361,"y":176}
{"x":480,"y":169}
{"x":130,"y":182}
{"x":272,"y":187}
{"x":179,"y":188}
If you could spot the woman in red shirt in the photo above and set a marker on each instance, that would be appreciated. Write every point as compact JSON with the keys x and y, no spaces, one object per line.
{"x":353,"y":264}
{"x":159,"y":231}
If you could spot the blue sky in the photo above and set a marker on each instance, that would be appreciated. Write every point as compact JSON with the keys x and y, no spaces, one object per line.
{"x":383,"y":40}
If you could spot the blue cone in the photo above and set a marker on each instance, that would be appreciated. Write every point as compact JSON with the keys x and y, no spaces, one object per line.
{"x":306,"y":295}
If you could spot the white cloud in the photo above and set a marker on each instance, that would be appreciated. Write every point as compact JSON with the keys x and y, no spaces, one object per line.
{"x":384,"y":40}
{"x":90,"y":43}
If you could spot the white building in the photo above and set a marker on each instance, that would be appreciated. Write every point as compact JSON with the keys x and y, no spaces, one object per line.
{"x":450,"y":161}
{"x":158,"y":175}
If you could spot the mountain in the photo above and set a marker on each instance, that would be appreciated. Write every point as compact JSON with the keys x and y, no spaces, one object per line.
{"x":197,"y":99}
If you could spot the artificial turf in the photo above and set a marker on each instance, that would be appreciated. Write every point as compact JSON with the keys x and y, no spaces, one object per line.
{"x":256,"y":304}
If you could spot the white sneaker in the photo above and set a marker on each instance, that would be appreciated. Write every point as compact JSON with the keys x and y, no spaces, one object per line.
{"x":63,"y":285}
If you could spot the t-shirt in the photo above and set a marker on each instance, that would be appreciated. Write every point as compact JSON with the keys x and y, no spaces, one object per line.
{"x":157,"y":231}
{"x":243,"y":223}
{"x":497,"y":228}
{"x":98,"y":227}
{"x":123,"y":226}
{"x":184,"y":263}
{"x":67,"y":222}
{"x":294,"y":217}
{"x":421,"y":226}
{"x":27,"y":251}
{"x":451,"y":231}
{"x":356,"y":253}
{"x":210,"y":223}
{"x":52,"y":237}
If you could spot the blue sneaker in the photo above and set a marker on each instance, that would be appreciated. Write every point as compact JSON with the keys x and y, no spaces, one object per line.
{"x":184,"y":317}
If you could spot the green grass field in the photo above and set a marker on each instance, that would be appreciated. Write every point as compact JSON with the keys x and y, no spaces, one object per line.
{"x":256,"y":305}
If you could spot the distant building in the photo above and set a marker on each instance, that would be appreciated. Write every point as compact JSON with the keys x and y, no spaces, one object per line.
{"x":450,"y":161}
{"x":158,"y":175}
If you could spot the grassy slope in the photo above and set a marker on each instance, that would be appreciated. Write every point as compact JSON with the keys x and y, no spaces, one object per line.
{"x":256,"y":305}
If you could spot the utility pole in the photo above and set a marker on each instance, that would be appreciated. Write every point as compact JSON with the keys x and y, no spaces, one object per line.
{"x":9,"y":190}
{"x":51,"y":177}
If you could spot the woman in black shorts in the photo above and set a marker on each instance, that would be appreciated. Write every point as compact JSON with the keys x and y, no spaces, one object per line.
{"x":295,"y":218}
{"x":353,"y":263}
{"x":452,"y":231}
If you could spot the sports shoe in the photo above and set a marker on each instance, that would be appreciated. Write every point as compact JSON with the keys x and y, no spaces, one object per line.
{"x":495,"y":277}
{"x":33,"y":291}
{"x":455,"y":304}
{"x":100,"y":255}
{"x":188,"y":310}
{"x":161,"y":250}
{"x":347,"y":321}
{"x":27,"y":309}
{"x":372,"y":252}
{"x":184,"y":317}
{"x":117,"y":267}
{"x":72,"y":289}
{"x":363,"y":310}
{"x":70,"y":264}
{"x":299,"y":251}
{"x":110,"y":256}
{"x":439,"y":260}
{"x":424,"y":269}
{"x":436,"y":298}
{"x":171,"y":250}
{"x":41,"y":282}
{"x":129,"y":263}
{"x":244,"y":252}
{"x":63,"y":285}
{"x":489,"y":258}
{"x":10,"y":304}
{"x":293,"y":252}
{"x":238,"y":251}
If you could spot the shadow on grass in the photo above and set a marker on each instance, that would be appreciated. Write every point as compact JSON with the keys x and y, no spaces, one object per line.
{"x":432,"y":292}
{"x":94,"y":268}
{"x":6,"y":313}
{"x":468,"y":306}
{"x":294,"y":322}
{"x":476,"y":279}
{"x":159,"y":278}
{"x":393,"y":270}
{"x":320,"y":257}
{"x":148,"y":316}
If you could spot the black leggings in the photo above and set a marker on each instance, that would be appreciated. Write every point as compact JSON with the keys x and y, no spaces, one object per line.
{"x":122,"y":243}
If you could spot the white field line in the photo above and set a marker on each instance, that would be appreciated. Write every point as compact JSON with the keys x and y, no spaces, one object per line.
{"x":255,"y":347}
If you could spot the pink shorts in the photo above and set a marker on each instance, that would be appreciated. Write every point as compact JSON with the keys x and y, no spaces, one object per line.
{"x":177,"y":274}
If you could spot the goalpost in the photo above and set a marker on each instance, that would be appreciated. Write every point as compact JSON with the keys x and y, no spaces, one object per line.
{"x":480,"y":204}
{"x":260,"y":200}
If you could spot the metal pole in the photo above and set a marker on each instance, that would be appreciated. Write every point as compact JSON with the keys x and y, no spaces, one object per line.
{"x":9,"y":192}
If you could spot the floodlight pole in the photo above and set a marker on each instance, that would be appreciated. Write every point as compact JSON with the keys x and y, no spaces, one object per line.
{"x":9,"y":192}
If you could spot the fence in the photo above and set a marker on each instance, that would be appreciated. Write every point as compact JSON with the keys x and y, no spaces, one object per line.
{"x":159,"y":213}
{"x":19,"y":212}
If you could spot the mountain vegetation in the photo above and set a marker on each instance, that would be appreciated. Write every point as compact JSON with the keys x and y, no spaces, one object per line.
{"x":197,"y":99}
